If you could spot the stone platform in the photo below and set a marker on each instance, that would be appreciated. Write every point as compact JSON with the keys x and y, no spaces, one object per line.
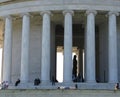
{"x":58,"y":93}
{"x":49,"y":90}
{"x":80,"y":86}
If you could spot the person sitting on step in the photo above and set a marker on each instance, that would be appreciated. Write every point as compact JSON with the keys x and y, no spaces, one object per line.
{"x":17,"y":82}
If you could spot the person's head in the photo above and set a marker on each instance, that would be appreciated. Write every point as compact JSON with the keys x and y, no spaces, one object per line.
{"x":75,"y":56}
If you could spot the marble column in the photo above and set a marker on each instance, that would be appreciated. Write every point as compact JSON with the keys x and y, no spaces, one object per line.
{"x":45,"y":58}
{"x":7,"y":54}
{"x":25,"y":48}
{"x":90,"y":46}
{"x":112,"y":48}
{"x":67,"y":70}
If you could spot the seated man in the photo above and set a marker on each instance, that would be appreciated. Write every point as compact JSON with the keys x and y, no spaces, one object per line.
{"x":17,"y":82}
{"x":37,"y":81}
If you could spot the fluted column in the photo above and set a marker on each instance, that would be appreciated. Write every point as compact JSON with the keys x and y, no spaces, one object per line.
{"x":67,"y":70}
{"x":45,"y":58}
{"x":112,"y":48}
{"x":25,"y":48}
{"x":7,"y":54}
{"x":90,"y":46}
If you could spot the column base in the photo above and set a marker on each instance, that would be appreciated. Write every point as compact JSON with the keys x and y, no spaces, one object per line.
{"x":68,"y":81}
{"x":113,"y":82}
{"x":90,"y":81}
{"x":45,"y":82}
{"x":23,"y":81}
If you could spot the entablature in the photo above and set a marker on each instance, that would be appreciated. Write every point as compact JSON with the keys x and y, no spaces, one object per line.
{"x":18,"y":6}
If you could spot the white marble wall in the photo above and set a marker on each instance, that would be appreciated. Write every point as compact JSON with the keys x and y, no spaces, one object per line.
{"x":35,"y":48}
{"x":16,"y":49}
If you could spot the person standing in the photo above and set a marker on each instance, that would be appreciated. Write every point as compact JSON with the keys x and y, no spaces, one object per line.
{"x":74,"y":71}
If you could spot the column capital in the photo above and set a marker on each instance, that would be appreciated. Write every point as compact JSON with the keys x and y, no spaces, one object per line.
{"x":27,"y":14}
{"x":7,"y":16}
{"x":113,"y":12}
{"x":91,"y":11}
{"x":68,"y":11}
{"x":45,"y":12}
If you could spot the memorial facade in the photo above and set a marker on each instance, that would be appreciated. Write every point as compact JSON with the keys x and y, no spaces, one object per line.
{"x":35,"y":30}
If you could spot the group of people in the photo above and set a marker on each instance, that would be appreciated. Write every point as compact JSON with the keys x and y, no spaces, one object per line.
{"x":4,"y":85}
{"x":37,"y":81}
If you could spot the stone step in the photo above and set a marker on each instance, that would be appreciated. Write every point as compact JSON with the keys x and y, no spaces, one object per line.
{"x":89,"y":86}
